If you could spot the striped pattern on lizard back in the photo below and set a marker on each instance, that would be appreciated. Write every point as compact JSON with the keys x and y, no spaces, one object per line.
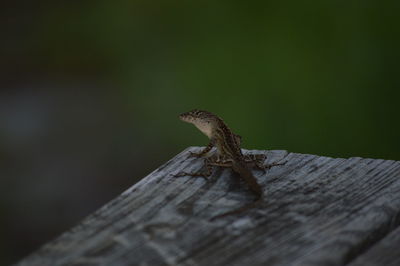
{"x":226,"y":142}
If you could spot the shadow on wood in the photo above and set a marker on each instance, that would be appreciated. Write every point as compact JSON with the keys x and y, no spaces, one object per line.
{"x":317,"y":211}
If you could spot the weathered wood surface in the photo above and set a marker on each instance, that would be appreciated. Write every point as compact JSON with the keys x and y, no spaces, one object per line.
{"x":318,"y":211}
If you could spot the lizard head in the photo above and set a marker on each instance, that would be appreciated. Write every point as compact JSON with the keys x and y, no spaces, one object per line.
{"x":203,"y":120}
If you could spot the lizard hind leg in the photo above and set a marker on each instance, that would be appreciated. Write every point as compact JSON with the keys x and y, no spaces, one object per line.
{"x":203,"y":152}
{"x":220,"y":161}
{"x":257,"y":161}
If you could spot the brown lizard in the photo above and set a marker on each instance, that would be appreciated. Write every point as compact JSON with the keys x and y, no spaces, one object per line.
{"x":229,"y":153}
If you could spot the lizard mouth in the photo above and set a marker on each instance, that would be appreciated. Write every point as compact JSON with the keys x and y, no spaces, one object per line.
{"x":184,"y":117}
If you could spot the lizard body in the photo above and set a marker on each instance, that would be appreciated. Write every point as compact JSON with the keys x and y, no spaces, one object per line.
{"x":228,"y":148}
{"x":226,"y":142}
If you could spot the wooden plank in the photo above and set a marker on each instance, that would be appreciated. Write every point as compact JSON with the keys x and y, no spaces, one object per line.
{"x":318,"y":211}
{"x":385,"y":252}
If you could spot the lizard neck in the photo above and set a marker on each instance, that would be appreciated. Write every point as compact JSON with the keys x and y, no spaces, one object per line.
{"x":206,"y":128}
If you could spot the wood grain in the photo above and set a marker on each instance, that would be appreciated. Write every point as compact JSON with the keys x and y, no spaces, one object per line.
{"x":317,"y":211}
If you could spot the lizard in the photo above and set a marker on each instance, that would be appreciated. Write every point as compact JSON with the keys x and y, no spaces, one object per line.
{"x":229,"y":153}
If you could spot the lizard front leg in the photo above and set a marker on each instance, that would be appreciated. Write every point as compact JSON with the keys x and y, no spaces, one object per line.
{"x":204,"y":151}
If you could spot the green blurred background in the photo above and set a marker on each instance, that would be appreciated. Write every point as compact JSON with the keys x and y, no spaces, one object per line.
{"x":91,"y":90}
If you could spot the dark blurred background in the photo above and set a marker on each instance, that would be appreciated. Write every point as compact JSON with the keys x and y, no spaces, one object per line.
{"x":91,"y":90}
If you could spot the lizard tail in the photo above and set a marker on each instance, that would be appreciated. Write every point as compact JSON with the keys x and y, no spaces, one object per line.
{"x":245,"y":173}
{"x":248,"y":177}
